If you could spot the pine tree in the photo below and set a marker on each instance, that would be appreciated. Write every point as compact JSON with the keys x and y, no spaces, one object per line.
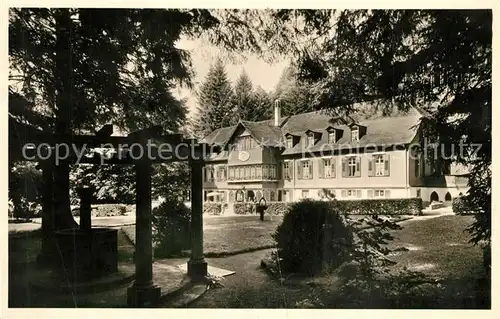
{"x":294,"y":95}
{"x":263,"y":104}
{"x":214,"y":102}
{"x":243,"y":99}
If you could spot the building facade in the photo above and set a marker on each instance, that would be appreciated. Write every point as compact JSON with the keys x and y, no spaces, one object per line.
{"x":311,"y":154}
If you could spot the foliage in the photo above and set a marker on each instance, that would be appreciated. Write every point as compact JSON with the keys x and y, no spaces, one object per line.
{"x":396,"y":206}
{"x":458,"y":206}
{"x":312,"y":238}
{"x":80,"y":68}
{"x":244,"y":208}
{"x":215,"y":109}
{"x":277,"y":208}
{"x":295,"y":95}
{"x":171,"y":222}
{"x":411,"y":290}
{"x":386,"y":207}
{"x":263,"y":103}
{"x":212,"y":208}
{"x":25,"y":186}
{"x":250,"y":104}
{"x":439,"y":60}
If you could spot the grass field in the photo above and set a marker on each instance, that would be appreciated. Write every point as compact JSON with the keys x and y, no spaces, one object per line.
{"x":439,"y":247}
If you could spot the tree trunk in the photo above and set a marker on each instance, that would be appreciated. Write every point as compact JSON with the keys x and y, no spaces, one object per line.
{"x":63,"y":71}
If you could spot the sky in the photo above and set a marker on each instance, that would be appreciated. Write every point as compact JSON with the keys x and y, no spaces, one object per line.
{"x":203,"y":55}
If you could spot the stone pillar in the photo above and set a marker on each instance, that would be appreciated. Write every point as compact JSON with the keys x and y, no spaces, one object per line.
{"x":46,"y":254}
{"x":85,"y":207}
{"x":143,"y":293}
{"x":197,"y":266}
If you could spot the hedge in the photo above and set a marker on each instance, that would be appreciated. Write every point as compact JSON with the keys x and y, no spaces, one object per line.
{"x":400,"y":206}
{"x":212,"y":208}
{"x":403,"y":206}
{"x":244,"y":208}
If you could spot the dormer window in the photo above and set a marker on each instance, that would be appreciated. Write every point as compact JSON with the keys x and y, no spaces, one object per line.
{"x":331,"y":137}
{"x":310,"y":139}
{"x":354,"y":134}
{"x":289,"y":141}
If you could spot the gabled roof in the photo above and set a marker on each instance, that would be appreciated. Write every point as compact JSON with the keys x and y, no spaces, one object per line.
{"x":399,"y":129}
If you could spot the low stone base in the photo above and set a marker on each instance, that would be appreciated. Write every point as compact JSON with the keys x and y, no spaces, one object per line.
{"x":143,"y":297}
{"x":197,"y":269}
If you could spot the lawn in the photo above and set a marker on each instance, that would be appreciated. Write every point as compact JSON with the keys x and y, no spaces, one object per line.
{"x":224,"y":236}
{"x":439,"y":247}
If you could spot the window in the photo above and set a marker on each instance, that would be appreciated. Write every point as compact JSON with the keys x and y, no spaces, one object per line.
{"x":351,"y":193}
{"x":305,"y":194}
{"x":355,"y":134}
{"x":209,"y":173}
{"x":289,"y":142}
{"x":245,"y":143}
{"x":310,"y":140}
{"x":331,"y":137}
{"x":254,"y":172}
{"x":353,"y":168}
{"x":305,"y":170}
{"x":379,"y":193}
{"x":265,"y":173}
{"x":379,"y":165}
{"x":327,"y":168}
{"x":259,"y":172}
{"x":287,"y":170}
{"x":273,"y":172}
{"x":221,"y":173}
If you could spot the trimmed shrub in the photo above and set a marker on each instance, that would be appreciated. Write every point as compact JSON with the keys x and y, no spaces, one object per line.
{"x":277,"y":208}
{"x":212,"y":208}
{"x":312,"y":238}
{"x":171,"y":223}
{"x":402,"y":206}
{"x":244,"y":208}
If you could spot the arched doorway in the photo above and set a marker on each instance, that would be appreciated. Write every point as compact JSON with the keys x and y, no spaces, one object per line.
{"x":447,"y":197}
{"x":434,"y":197}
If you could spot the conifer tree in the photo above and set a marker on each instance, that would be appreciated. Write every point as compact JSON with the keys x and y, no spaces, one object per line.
{"x":214,"y":102}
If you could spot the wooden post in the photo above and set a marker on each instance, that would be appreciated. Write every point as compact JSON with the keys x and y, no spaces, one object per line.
{"x":46,"y":253}
{"x":143,"y":293}
{"x":85,"y":207}
{"x":197,"y":266}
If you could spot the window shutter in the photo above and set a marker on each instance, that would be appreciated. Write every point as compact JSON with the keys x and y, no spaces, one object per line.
{"x":344,"y":193}
{"x":371,"y":165}
{"x":386,"y":164}
{"x":358,"y":166}
{"x":387,"y":193}
{"x":299,"y":170}
{"x":344,"y":167}
{"x":370,"y":193}
{"x":290,"y":169}
{"x":358,"y":193}
{"x":310,"y":169}
{"x":321,"y":168}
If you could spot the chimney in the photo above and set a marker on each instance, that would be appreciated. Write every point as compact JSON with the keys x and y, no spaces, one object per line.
{"x":277,"y":113}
